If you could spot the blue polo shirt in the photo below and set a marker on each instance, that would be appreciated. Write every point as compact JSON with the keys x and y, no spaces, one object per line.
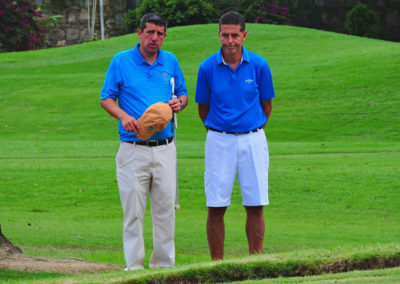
{"x":234,"y":96}
{"x":137,"y":85}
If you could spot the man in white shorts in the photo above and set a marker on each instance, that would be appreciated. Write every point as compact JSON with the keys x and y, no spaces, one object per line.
{"x":234,"y":95}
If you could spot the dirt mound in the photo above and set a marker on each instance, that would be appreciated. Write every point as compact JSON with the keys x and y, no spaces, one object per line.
{"x":7,"y":248}
{"x":11,"y":257}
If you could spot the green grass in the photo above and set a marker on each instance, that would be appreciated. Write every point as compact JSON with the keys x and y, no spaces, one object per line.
{"x":334,"y":141}
{"x":13,"y":275}
{"x":381,"y":276}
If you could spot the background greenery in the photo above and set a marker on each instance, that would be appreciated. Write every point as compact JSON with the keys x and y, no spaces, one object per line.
{"x":370,"y":18}
{"x":333,"y":140}
{"x":21,"y":26}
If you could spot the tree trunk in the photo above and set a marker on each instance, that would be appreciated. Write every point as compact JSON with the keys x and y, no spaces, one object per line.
{"x":6,"y":247}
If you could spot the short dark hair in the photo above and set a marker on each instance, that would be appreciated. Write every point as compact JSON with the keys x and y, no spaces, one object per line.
{"x":153,"y":18}
{"x":233,"y":18}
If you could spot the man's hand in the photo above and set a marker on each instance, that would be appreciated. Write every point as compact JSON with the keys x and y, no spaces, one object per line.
{"x":175,"y":105}
{"x":130,"y":124}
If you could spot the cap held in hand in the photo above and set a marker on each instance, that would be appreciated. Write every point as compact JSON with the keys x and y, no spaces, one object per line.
{"x":155,"y":118}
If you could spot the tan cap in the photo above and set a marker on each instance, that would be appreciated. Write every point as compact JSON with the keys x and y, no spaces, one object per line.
{"x":155,"y":118}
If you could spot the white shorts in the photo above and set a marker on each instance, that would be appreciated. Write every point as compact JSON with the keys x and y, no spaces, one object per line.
{"x":246,"y":154}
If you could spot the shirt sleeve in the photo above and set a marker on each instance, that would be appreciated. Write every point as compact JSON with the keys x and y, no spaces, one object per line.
{"x":112,"y":82}
{"x":266,"y":87}
{"x":203,"y":87}
{"x":180,"y":84}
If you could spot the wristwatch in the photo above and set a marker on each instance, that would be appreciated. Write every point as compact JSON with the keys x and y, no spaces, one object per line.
{"x":182,"y":103}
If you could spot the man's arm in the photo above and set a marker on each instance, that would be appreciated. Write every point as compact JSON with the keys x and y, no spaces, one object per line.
{"x":128,"y":122}
{"x":267,"y":108}
{"x":203,"y":112}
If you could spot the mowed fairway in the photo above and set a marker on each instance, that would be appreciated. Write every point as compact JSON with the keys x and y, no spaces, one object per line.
{"x":334,"y":142}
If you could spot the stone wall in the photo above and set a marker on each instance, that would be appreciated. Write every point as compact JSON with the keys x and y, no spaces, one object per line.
{"x":76,"y":20}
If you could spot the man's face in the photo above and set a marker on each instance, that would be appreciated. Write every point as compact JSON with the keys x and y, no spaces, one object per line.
{"x":151,"y":38}
{"x":231,"y":39}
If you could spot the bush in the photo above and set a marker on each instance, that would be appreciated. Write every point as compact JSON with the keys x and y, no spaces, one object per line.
{"x":265,"y":12}
{"x":19,"y":26}
{"x":362,"y":21}
{"x":232,"y":5}
{"x":177,"y":12}
{"x":190,"y":12}
{"x":256,"y":11}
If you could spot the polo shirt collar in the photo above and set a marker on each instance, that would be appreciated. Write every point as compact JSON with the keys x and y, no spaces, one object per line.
{"x":139,"y":58}
{"x":245,"y":56}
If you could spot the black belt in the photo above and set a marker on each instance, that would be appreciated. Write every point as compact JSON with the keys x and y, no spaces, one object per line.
{"x":152,"y":143}
{"x":235,"y":133}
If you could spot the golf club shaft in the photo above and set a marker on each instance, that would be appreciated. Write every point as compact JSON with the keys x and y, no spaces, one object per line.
{"x":174,"y":126}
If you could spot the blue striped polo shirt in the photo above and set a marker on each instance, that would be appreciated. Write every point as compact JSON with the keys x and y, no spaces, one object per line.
{"x":137,"y":85}
{"x":234,"y":96}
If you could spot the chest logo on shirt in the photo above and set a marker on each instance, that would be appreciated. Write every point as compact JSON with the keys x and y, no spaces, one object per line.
{"x":249,"y":81}
{"x":165,"y":76}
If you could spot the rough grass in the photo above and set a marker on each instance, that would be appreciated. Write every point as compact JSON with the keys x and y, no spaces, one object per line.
{"x":228,"y":272}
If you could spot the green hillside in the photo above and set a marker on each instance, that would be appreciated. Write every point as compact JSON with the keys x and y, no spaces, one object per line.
{"x":330,"y":87}
{"x":334,"y":141}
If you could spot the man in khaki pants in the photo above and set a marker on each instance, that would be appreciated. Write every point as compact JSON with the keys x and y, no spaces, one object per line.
{"x":146,"y":162}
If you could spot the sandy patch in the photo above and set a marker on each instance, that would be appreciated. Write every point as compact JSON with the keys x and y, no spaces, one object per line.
{"x":11,"y":257}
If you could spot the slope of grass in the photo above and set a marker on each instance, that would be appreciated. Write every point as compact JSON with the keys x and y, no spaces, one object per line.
{"x":329,"y":86}
{"x":333,"y":139}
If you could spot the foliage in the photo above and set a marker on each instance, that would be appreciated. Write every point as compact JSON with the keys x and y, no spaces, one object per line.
{"x":232,"y":5}
{"x":362,"y":21}
{"x":190,"y":12}
{"x":264,"y":11}
{"x":256,"y":11}
{"x":177,"y":12}
{"x":130,"y":22}
{"x":20,"y":27}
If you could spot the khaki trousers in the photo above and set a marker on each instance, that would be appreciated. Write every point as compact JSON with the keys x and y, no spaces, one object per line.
{"x":143,"y":171}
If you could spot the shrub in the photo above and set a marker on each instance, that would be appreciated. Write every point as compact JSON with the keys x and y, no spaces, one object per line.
{"x":190,"y":12}
{"x":263,"y":11}
{"x":177,"y":12}
{"x":232,"y":5}
{"x":256,"y":11}
{"x":19,"y":26}
{"x":362,"y":21}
